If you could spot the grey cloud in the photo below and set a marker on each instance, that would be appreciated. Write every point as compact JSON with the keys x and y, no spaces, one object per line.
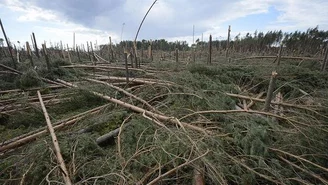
{"x":80,"y":11}
{"x":110,"y":14}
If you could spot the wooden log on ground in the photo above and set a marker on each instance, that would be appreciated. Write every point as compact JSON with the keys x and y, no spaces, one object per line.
{"x":103,"y":67}
{"x":109,"y":137}
{"x":136,"y":80}
{"x":59,"y":156}
{"x":32,"y":89}
{"x":21,"y":139}
{"x":31,"y":136}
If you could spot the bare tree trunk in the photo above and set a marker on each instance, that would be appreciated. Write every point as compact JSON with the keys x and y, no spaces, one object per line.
{"x":60,"y":159}
{"x":8,"y":45}
{"x":210,"y":50}
{"x":324,"y":64}
{"x":270,"y":92}
{"x":228,"y":42}
{"x":35,"y":46}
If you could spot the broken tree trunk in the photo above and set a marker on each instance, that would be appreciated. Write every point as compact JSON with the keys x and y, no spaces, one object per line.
{"x":35,"y":45}
{"x":324,"y":64}
{"x":45,"y":53}
{"x":29,"y":53}
{"x":126,"y":67}
{"x":59,"y":156}
{"x":160,"y":117}
{"x":106,"y":138}
{"x":8,"y":45}
{"x":279,"y":55}
{"x":176,"y":55}
{"x":210,"y":50}
{"x":270,"y":92}
{"x":228,"y":42}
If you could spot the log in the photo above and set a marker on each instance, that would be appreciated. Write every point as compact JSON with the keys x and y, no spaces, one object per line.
{"x":31,"y":136}
{"x":103,"y":67}
{"x":32,"y":89}
{"x":14,"y":107}
{"x":109,"y":137}
{"x":136,"y":80}
{"x":59,"y":156}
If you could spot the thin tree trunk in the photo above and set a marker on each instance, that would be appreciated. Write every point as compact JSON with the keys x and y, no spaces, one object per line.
{"x":210,"y":50}
{"x":8,"y":45}
{"x":228,"y":42}
{"x":324,"y":64}
{"x":35,"y":46}
{"x":60,"y":159}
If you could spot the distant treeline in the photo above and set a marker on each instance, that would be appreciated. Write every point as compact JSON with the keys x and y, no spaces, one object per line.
{"x":308,"y":42}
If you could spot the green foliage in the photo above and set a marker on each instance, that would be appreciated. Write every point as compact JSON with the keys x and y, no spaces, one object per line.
{"x":78,"y":99}
{"x":29,"y":79}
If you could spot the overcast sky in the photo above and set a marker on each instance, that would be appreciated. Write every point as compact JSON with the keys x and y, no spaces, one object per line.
{"x":95,"y":20}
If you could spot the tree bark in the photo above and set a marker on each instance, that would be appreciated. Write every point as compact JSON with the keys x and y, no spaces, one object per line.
{"x":59,"y":156}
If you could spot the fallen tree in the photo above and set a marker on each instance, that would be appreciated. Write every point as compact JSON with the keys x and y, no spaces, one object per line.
{"x":153,"y":115}
{"x":31,"y":136}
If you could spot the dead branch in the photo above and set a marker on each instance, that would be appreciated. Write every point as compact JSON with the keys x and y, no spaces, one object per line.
{"x":299,"y":158}
{"x":176,"y":168}
{"x":275,"y":103}
{"x":304,"y":170}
